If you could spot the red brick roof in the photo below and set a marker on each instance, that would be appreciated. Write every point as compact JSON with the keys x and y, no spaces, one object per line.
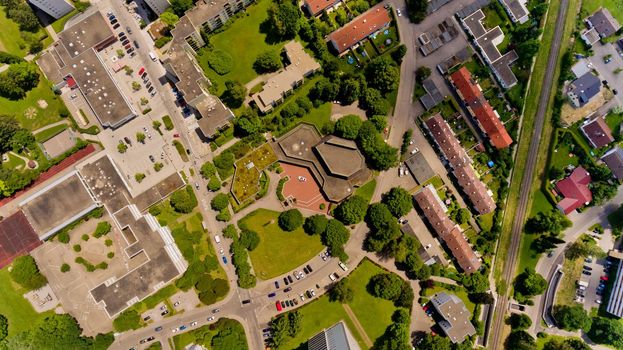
{"x":447,"y":230}
{"x":316,"y":6}
{"x":17,"y":237}
{"x":480,"y":108}
{"x":597,"y":132}
{"x":360,"y":28}
{"x":575,"y":190}
{"x":461,"y":164}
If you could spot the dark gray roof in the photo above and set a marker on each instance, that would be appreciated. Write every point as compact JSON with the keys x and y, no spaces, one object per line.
{"x":419,"y":168}
{"x":614,"y":161}
{"x":433,"y":96}
{"x":585,"y":87}
{"x":471,"y":8}
{"x":604,"y":23}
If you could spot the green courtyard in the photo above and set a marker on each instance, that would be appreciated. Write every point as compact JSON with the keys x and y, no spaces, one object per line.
{"x":248,"y":169}
{"x":279,"y":251}
{"x":243,"y":41}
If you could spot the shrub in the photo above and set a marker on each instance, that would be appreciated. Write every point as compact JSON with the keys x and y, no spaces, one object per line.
{"x":110,"y":255}
{"x":102,"y":228}
{"x":65,"y":268}
{"x":139,"y":177}
{"x":85,"y":237}
{"x":158,"y":166}
{"x":63,"y":237}
{"x":348,"y":126}
{"x":224,"y":215}
{"x":220,"y":61}
{"x":214,"y":184}
{"x":184,"y":200}
{"x":77,"y":248}
{"x":160,"y":42}
{"x":127,"y":320}
{"x":108,"y":242}
{"x":220,"y":202}
{"x":290,"y":220}
{"x":168,"y":123}
{"x":25,"y":272}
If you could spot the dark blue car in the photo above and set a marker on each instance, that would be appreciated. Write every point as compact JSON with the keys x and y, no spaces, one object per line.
{"x":225,"y":260}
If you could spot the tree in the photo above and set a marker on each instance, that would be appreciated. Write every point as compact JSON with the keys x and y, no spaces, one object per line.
{"x":582,"y":248}
{"x":158,"y":166}
{"x":566,"y":344}
{"x":335,"y":235}
{"x":208,"y":170}
{"x":417,"y":10}
{"x":385,"y":285}
{"x":379,"y":122}
{"x":352,"y":210}
{"x":139,"y":177}
{"x":315,"y":224}
{"x":183,"y":200}
{"x":519,"y":321}
{"x":220,"y":202}
{"x":234,"y":94}
{"x":476,"y":282}
{"x":571,"y":318}
{"x":602,"y":192}
{"x":527,"y":49}
{"x":553,"y":222}
{"x":342,"y":292}
{"x":122,"y":147}
{"x":348,"y":126}
{"x":429,"y":342}
{"x":214,"y":184}
{"x":606,"y":331}
{"x":290,"y":220}
{"x":25,"y":272}
{"x":179,"y":7}
{"x":249,"y":239}
{"x":350,"y":89}
{"x":169,"y":18}
{"x":294,"y":322}
{"x":22,"y":139}
{"x":520,"y":340}
{"x":266,"y":62}
{"x":324,"y":91}
{"x":529,"y":283}
{"x":8,"y":128}
{"x":25,"y":17}
{"x":422,"y":73}
{"x":283,"y":18}
{"x":65,"y":268}
{"x":398,"y":201}
{"x":140,"y":137}
{"x":382,"y":74}
{"x":57,"y":332}
{"x":373,"y":101}
{"x":4,"y":327}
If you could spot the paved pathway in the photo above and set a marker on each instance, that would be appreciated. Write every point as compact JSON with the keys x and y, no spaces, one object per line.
{"x":358,"y":325}
{"x":49,"y":126}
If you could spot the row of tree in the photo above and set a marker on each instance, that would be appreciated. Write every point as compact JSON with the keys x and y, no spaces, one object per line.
{"x":332,"y":232}
{"x":246,"y":241}
{"x":285,"y":326}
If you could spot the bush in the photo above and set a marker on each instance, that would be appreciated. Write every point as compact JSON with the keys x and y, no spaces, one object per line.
{"x":220,"y":61}
{"x":168,"y":123}
{"x":77,"y":248}
{"x":25,"y":272}
{"x":160,"y":42}
{"x":224,"y":215}
{"x":184,"y":200}
{"x":290,"y":220}
{"x":220,"y":202}
{"x":214,"y":184}
{"x":348,"y":126}
{"x":519,"y":321}
{"x":65,"y":268}
{"x":85,"y":237}
{"x":208,"y":170}
{"x":63,"y":237}
{"x":108,"y":242}
{"x":352,"y":210}
{"x":391,"y":287}
{"x":398,"y":201}
{"x":110,"y":255}
{"x":102,"y":228}
{"x":139,"y":177}
{"x":267,"y":62}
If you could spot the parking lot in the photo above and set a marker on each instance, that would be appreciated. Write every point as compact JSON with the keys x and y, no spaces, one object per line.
{"x":592,"y":283}
{"x":607,"y":70}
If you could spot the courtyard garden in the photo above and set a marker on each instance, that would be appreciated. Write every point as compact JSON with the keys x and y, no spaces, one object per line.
{"x":248,"y":169}
{"x":278,"y":251}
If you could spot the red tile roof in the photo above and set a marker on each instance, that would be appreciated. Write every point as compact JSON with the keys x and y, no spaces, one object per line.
{"x":461,"y":164}
{"x":597,"y":132}
{"x":360,"y":28}
{"x":316,"y":6}
{"x":447,"y":230}
{"x":480,"y":108}
{"x":575,"y":190}
{"x":17,"y":237}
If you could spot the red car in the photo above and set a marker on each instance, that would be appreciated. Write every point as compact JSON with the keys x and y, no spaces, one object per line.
{"x":176,"y":135}
{"x":278,"y":305}
{"x":604,"y":278}
{"x":141,"y":71}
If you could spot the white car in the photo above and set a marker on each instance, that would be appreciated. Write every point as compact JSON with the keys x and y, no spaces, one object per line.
{"x":343,"y":266}
{"x":174,"y":330}
{"x":415,"y":150}
{"x":221,"y":251}
{"x":211,"y":318}
{"x":398,"y":12}
{"x":332,"y":277}
{"x":193,"y":323}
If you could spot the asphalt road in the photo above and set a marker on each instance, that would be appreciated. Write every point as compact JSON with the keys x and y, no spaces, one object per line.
{"x":528,"y":176}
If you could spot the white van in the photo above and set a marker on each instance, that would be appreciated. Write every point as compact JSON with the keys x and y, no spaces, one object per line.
{"x":217,"y":239}
{"x":152,"y":56}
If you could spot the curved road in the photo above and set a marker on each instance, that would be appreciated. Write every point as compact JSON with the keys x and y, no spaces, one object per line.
{"x":528,"y":176}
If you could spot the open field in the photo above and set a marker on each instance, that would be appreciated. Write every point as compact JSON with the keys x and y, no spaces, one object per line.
{"x":279,"y":251}
{"x":244,"y":42}
{"x":10,"y":40}
{"x":15,"y":307}
{"x":367,"y":190}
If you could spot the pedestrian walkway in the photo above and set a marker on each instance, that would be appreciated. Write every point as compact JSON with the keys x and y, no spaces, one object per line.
{"x":49,"y":126}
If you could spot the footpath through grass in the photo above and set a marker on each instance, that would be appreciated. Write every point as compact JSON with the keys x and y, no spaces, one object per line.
{"x":279,"y":251}
{"x":15,"y":307}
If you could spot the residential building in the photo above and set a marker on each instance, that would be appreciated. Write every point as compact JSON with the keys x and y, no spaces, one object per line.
{"x":575,"y":191}
{"x":487,"y":40}
{"x":433,"y":96}
{"x":158,"y":6}
{"x":360,"y":28}
{"x":460,"y":163}
{"x":456,"y":318}
{"x":583,"y":89}
{"x":54,"y":8}
{"x":517,"y":10}
{"x":73,"y":61}
{"x":603,"y":22}
{"x":614,"y":160}
{"x":615,"y":303}
{"x":276,"y":88}
{"x":597,"y":132}
{"x":476,"y":103}
{"x":318,"y":7}
{"x":435,"y":213}
{"x":437,"y":36}
{"x":336,"y":337}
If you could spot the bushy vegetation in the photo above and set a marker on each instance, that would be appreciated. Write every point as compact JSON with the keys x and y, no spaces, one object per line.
{"x":342,"y":291}
{"x":315,"y":224}
{"x":25,"y":272}
{"x":528,"y":284}
{"x":334,"y":237}
{"x":352,"y":210}
{"x":571,"y":318}
{"x":391,"y":287}
{"x":348,"y":126}
{"x":220,"y":61}
{"x":285,"y":326}
{"x":102,"y":229}
{"x":16,"y":81}
{"x":607,"y":331}
{"x":290,"y":220}
{"x":184,"y":200}
{"x":267,"y":62}
{"x":398,"y":201}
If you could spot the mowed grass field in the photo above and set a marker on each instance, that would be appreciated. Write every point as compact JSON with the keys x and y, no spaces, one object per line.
{"x":244,"y":42}
{"x":15,"y":307}
{"x":614,"y":6}
{"x":279,"y":251}
{"x":10,"y":40}
{"x":27,"y":110}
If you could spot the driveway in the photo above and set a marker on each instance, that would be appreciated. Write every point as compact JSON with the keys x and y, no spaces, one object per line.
{"x":606,"y":70}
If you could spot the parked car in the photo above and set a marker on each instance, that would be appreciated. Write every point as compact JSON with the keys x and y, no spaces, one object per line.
{"x":309,"y":268}
{"x":114,"y":21}
{"x":182,"y":327}
{"x":287,"y":290}
{"x":272,"y":294}
{"x":246,"y":301}
{"x":129,"y":30}
{"x":277,"y":284}
{"x":278,"y":305}
{"x":211,"y":318}
{"x":224,"y":260}
{"x":290,"y":279}
{"x":343,"y":266}
{"x":116,"y":26}
{"x":136,"y":44}
{"x":164,"y":312}
{"x":215,"y":311}
{"x":158,"y":329}
{"x":285,"y":280}
{"x":193,"y":323}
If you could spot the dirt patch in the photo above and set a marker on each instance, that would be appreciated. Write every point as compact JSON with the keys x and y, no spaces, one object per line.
{"x":338,"y":111}
{"x":43,"y":104}
{"x":570,"y":114}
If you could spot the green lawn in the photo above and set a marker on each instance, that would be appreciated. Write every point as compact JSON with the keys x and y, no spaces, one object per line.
{"x":203,"y":335}
{"x":615,"y":7}
{"x":278,"y":251}
{"x":59,"y":24}
{"x":15,"y":307}
{"x":374,"y":314}
{"x":614,"y":122}
{"x":244,"y":42}
{"x":367,"y":190}
{"x":49,"y":133}
{"x":14,"y":162}
{"x":28,"y":112}
{"x":540,"y":203}
{"x":10,"y":39}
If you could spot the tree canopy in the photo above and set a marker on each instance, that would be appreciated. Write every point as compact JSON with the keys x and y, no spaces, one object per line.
{"x":290,"y":220}
{"x":249,"y":239}
{"x":342,"y":291}
{"x":607,"y":331}
{"x":335,"y":236}
{"x":382,"y":74}
{"x":315,"y":224}
{"x":184,"y":200}
{"x":519,"y":321}
{"x":220,"y":202}
{"x":391,"y":287}
{"x":379,"y":155}
{"x":398,"y":201}
{"x":348,"y":126}
{"x":283,"y":18}
{"x":25,"y":272}
{"x":352,"y":210}
{"x":267,"y":61}
{"x":234,"y":94}
{"x":553,"y":222}
{"x":520,"y":340}
{"x":528,"y":284}
{"x":571,"y":318}
{"x":179,"y":7}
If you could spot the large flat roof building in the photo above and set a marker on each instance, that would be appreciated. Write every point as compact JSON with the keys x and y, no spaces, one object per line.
{"x":336,"y":337}
{"x":54,"y":8}
{"x":360,"y":28}
{"x":75,"y":57}
{"x":474,"y":100}
{"x":436,"y":214}
{"x":487,"y":41}
{"x":460,"y":163}
{"x":517,"y":10}
{"x":615,"y":303}
{"x":456,"y":318}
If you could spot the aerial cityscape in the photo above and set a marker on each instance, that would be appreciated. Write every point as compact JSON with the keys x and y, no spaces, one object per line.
{"x":311,"y":174}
